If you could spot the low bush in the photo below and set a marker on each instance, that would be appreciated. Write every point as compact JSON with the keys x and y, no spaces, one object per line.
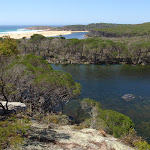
{"x":59,"y":119}
{"x":110,"y":121}
{"x":12,"y":131}
{"x":142,"y":145}
{"x":117,"y":123}
{"x":135,"y":141}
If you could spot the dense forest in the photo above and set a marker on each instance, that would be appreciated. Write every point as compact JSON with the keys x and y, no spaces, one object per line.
{"x":90,"y":50}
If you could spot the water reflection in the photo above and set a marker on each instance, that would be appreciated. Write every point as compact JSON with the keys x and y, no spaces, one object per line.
{"x":108,"y":84}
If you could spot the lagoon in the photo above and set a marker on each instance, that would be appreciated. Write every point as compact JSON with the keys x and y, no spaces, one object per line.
{"x":78,"y":35}
{"x":107,"y":84}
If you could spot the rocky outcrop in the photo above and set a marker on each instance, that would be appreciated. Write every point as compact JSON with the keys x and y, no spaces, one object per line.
{"x":128,"y":97}
{"x":41,"y":137}
{"x":14,"y":106}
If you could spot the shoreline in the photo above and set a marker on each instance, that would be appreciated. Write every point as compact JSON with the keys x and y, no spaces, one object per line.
{"x":44,"y":33}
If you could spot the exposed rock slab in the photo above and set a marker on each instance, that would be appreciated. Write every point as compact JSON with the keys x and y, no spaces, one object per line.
{"x":14,"y":106}
{"x":68,"y":138}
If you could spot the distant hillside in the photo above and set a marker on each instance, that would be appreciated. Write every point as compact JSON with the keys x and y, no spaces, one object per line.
{"x":88,"y":27}
{"x":41,"y":28}
{"x":76,"y":27}
{"x":104,"y":29}
{"x":122,"y":31}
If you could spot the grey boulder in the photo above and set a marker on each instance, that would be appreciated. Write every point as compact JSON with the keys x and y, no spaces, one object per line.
{"x":128,"y":97}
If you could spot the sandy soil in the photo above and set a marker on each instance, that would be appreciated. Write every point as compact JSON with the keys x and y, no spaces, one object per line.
{"x":44,"y":33}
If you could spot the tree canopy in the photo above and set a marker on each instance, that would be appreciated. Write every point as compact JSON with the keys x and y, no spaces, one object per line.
{"x":31,"y":79}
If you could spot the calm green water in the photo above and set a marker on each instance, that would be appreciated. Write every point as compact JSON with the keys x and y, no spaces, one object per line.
{"x":107,"y":84}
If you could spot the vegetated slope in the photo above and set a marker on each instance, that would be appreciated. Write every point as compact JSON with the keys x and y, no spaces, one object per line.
{"x":122,"y":30}
{"x":30,"y":79}
{"x":41,"y":28}
{"x":46,"y":87}
{"x":76,"y":27}
{"x":88,"y":27}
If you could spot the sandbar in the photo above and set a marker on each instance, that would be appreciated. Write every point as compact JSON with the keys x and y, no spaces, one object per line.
{"x":44,"y":33}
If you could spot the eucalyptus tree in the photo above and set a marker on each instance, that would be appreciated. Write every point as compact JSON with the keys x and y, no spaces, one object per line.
{"x":31,"y":80}
{"x":8,"y":47}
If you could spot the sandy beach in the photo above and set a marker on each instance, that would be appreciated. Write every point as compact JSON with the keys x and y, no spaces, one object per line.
{"x":44,"y":33}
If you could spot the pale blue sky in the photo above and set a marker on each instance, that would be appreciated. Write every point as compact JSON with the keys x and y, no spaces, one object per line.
{"x":61,"y":12}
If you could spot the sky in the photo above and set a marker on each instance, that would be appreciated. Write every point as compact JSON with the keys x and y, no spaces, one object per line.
{"x":67,"y":12}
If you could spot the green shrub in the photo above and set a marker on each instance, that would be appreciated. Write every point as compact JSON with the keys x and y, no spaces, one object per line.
{"x":12,"y":132}
{"x":142,"y":145}
{"x":77,"y":90}
{"x":89,"y":103}
{"x":81,"y":126}
{"x":57,"y":119}
{"x":110,"y":121}
{"x":8,"y":46}
{"x":100,"y":124}
{"x":135,"y":141}
{"x":118,"y":124}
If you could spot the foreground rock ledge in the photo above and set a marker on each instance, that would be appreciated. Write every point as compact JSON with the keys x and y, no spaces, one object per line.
{"x":41,"y":137}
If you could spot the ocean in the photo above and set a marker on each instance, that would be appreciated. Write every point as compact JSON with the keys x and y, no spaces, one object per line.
{"x":6,"y":29}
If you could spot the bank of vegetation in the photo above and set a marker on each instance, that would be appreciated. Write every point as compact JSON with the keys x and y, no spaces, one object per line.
{"x":89,"y":51}
{"x":107,"y":44}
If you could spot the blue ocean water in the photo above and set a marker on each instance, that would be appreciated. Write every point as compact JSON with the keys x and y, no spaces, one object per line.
{"x":5,"y":29}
